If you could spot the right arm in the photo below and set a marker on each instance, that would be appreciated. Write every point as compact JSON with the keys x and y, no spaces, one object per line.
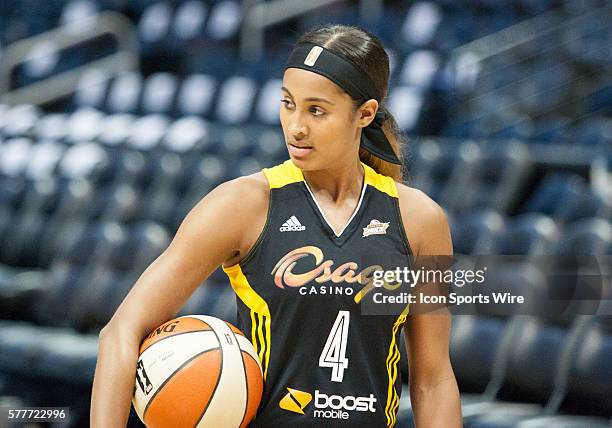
{"x":214,"y":232}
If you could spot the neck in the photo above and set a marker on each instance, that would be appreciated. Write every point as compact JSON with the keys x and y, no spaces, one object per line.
{"x":337,"y":184}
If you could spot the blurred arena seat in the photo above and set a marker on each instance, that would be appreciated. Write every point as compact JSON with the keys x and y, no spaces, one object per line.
{"x":475,"y":233}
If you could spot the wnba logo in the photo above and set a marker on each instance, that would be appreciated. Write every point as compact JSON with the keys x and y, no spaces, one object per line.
{"x":143,"y":379}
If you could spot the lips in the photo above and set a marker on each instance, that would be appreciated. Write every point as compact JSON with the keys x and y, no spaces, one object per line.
{"x":300,"y":146}
{"x":299,"y":151}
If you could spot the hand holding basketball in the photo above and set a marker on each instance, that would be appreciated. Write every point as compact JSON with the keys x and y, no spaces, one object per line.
{"x":197,"y":371}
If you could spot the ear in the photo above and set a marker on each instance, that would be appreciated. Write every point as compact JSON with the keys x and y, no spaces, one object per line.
{"x":366,"y":112}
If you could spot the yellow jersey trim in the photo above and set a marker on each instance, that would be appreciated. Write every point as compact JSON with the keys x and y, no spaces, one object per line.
{"x":393,"y":359}
{"x":286,"y":173}
{"x":381,"y":182}
{"x":260,"y":314}
{"x":283,"y":174}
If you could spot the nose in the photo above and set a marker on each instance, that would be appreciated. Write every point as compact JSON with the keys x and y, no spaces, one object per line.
{"x":298,"y":130}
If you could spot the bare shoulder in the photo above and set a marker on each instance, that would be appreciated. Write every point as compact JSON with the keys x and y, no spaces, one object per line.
{"x":250,"y":189}
{"x":233,"y":214}
{"x":239,"y":195}
{"x":247,"y":199}
{"x":418,"y":204}
{"x":424,"y":220}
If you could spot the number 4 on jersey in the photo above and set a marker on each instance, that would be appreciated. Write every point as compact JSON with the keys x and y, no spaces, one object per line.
{"x":334,"y":351}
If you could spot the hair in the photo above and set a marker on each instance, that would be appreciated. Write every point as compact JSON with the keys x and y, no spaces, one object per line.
{"x":366,"y":52}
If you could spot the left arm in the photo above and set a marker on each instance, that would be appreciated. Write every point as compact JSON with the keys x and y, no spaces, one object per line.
{"x":433,"y":388}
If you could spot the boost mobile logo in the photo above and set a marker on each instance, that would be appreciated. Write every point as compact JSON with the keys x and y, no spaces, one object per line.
{"x":295,"y":401}
{"x":327,"y":406}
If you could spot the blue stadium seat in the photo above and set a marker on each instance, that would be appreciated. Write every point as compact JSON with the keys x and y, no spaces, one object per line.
{"x":209,"y":172}
{"x":72,"y":272}
{"x":406,"y":104}
{"x":20,"y":120}
{"x":419,"y":69}
{"x":159,"y":93}
{"x":115,"y":129}
{"x":527,"y":234}
{"x":539,"y":344}
{"x":215,"y":299}
{"x":21,"y":244}
{"x":44,"y":159}
{"x":155,"y":22}
{"x":51,"y":127}
{"x":475,"y":233}
{"x":594,"y":131}
{"x":111,"y":278}
{"x":586,"y":236}
{"x":86,"y":160}
{"x":498,"y":180}
{"x":270,"y":147}
{"x":196,"y":95}
{"x":268,"y":102}
{"x":159,"y":203}
{"x":553,"y":130}
{"x":189,"y":19}
{"x":189,"y":133}
{"x":84,"y":125}
{"x":92,"y":89}
{"x":74,"y":198}
{"x":582,"y":386}
{"x":122,"y":203}
{"x":600,"y":101}
{"x":441,"y":170}
{"x":124,"y":93}
{"x":148,"y":131}
{"x":47,"y":353}
{"x":590,"y":376}
{"x":236,"y":100}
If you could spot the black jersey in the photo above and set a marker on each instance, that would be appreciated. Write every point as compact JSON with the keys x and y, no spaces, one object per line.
{"x":298,"y":294}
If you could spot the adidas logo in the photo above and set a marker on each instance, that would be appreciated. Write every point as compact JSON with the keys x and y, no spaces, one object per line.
{"x":293,"y":224}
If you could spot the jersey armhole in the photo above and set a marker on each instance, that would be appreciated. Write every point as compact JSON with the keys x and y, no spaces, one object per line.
{"x":398,"y":213}
{"x":263,"y":233}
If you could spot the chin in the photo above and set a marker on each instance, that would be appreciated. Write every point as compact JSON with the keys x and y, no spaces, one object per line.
{"x":302,"y":164}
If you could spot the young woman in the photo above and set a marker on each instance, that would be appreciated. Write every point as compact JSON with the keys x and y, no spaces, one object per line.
{"x":292,"y":240}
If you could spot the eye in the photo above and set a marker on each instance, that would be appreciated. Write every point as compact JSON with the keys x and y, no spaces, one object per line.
{"x":285,"y":102}
{"x":317,"y":109}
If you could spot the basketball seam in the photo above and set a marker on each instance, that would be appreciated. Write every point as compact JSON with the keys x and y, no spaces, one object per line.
{"x":144,"y":413}
{"x":246,"y":378}
{"x":229,"y":325}
{"x":216,"y":383}
{"x":171,"y":336}
{"x":247,"y":382}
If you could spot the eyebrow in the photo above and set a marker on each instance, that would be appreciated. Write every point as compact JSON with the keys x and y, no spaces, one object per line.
{"x":309,"y":98}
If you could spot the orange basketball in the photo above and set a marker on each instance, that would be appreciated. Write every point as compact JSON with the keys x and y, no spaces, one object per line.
{"x":197,"y":371}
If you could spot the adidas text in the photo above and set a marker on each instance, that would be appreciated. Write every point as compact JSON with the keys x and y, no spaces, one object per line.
{"x":292,"y":225}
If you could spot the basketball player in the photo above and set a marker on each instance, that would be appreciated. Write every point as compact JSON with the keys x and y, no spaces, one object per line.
{"x":289,"y":238}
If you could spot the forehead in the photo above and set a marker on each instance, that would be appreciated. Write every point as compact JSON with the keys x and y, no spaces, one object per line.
{"x":304,"y":83}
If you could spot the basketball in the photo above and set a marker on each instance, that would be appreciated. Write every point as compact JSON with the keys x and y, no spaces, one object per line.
{"x":197,"y":371}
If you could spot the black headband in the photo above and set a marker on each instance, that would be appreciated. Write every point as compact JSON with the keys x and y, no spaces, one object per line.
{"x":350,"y":78}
